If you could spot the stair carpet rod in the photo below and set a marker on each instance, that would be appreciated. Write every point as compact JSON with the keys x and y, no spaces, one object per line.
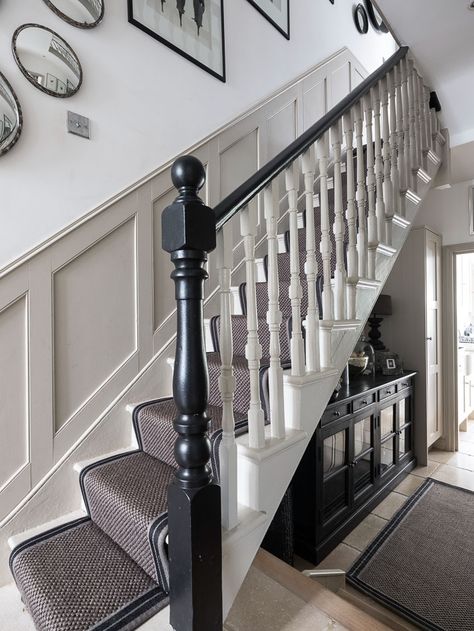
{"x":311,"y":288}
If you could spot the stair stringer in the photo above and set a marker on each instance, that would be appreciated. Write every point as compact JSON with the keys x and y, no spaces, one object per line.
{"x":264,"y":475}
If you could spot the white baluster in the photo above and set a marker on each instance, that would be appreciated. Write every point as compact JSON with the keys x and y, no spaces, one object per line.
{"x":393,"y":147}
{"x":322,"y":149}
{"x":311,"y":265}
{"x":423,"y":135}
{"x":386,"y":154}
{"x":400,"y":138}
{"x":426,"y":102}
{"x":338,"y":227}
{"x":361,"y":194}
{"x":351,"y":215}
{"x":379,"y":202}
{"x":253,"y":349}
{"x":296,"y":342}
{"x":397,"y":168}
{"x":412,"y":135}
{"x":228,"y":447}
{"x":371,"y":217}
{"x":415,"y":132}
{"x":274,"y":318}
{"x":407,"y":178}
{"x":429,"y":120}
{"x":420,"y":120}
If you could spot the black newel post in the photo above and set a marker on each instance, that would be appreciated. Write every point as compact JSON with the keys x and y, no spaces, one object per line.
{"x":194,"y":507}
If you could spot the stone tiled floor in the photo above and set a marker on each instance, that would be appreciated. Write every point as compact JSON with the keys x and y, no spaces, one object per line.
{"x":262,"y":603}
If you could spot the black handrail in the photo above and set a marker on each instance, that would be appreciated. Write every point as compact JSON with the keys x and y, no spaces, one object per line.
{"x":230,"y":205}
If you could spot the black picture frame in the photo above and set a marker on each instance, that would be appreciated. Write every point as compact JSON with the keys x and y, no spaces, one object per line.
{"x":262,"y":11}
{"x":221,"y":76}
{"x":361,"y":20}
{"x":375,"y":18}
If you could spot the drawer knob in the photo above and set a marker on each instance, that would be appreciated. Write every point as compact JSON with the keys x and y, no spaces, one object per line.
{"x":388,"y":392}
{"x":337,"y":413}
{"x":364,"y":402}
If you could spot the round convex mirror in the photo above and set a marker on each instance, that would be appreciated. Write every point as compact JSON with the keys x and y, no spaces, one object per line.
{"x":80,"y":13}
{"x":361,"y":20}
{"x":46,"y":60}
{"x":10,"y":116}
{"x":375,"y":17}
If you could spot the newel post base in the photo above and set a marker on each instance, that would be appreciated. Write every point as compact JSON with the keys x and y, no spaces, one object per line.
{"x":194,"y":501}
{"x":195,"y":555}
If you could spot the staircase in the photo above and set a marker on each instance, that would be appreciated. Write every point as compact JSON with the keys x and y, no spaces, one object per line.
{"x":345,"y":194}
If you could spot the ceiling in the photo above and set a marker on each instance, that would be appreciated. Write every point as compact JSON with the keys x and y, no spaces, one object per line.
{"x":441,"y":36}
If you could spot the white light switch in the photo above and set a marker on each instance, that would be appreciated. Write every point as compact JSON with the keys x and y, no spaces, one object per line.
{"x":78,"y":125}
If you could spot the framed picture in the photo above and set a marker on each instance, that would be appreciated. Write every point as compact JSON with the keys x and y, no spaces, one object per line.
{"x":277,"y":12}
{"x":193,"y":29}
{"x":471,"y":210}
{"x":392,"y":365}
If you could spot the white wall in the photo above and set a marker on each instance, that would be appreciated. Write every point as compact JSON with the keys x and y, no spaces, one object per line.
{"x":146,"y":103}
{"x":446,"y":210}
{"x":439,"y":32}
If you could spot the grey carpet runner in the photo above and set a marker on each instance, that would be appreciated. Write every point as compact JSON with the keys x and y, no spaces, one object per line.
{"x":421,"y":564}
{"x":109,"y":571}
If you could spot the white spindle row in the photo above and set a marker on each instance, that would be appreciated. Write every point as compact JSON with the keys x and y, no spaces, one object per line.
{"x":380,"y":143}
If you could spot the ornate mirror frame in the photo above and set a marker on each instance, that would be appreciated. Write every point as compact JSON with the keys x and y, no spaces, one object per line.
{"x":19,"y":113}
{"x":25,"y":72}
{"x":69,"y":20}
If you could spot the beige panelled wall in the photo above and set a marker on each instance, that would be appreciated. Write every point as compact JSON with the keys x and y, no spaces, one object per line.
{"x":81,"y":318}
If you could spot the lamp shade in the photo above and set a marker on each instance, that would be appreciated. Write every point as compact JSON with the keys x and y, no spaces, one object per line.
{"x":383,"y":306}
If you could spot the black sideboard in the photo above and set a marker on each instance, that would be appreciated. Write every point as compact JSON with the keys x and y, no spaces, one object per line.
{"x":360,"y":451}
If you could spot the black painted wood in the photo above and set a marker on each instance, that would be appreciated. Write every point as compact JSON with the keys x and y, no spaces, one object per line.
{"x":194,"y":506}
{"x":229,"y":206}
{"x":327,"y":507}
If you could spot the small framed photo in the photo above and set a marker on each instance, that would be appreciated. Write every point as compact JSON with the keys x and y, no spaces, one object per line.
{"x":471,"y":210}
{"x":392,"y":365}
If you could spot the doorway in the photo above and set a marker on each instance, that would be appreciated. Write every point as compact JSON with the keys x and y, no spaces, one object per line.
{"x":458,"y":348}
{"x":465,"y":351}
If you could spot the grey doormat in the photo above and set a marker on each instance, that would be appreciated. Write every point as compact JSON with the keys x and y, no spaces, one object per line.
{"x":422,"y":563}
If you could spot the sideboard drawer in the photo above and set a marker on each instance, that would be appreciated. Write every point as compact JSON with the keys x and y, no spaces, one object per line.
{"x":362,"y":402}
{"x":403,"y":385}
{"x":334,"y":413}
{"x":387,"y":391}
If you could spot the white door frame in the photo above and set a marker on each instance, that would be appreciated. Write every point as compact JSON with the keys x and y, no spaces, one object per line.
{"x":450,"y":440}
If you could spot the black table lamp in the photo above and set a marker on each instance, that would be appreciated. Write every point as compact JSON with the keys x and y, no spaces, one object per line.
{"x":383,"y":307}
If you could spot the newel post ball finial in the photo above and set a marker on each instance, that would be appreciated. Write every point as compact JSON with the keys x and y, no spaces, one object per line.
{"x":188,"y":176}
{"x":188,"y":224}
